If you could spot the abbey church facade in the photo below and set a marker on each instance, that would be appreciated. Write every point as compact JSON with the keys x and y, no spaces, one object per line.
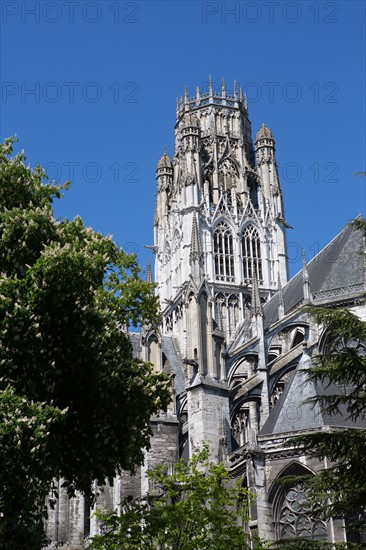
{"x":234,"y":337}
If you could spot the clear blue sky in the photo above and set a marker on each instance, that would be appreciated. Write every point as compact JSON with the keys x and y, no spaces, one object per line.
{"x":106,"y":74}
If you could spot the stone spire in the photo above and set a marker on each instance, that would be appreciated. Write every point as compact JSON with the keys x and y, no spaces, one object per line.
{"x":256,"y":307}
{"x":305,"y":278}
{"x":148,"y":272}
{"x":264,"y":133}
{"x":267,"y":168}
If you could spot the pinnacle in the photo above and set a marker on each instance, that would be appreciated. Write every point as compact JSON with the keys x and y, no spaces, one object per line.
{"x":195,"y":241}
{"x":305,"y":274}
{"x":256,"y":307}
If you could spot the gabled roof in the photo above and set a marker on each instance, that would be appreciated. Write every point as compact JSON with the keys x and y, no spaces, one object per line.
{"x":293,"y":414}
{"x":338,"y":265}
{"x":171,"y":353}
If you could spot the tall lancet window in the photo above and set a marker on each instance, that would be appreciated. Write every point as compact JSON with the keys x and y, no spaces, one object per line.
{"x":252,"y":261}
{"x":224,"y":253}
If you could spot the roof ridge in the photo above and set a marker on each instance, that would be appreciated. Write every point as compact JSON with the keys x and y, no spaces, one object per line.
{"x":343,"y":230}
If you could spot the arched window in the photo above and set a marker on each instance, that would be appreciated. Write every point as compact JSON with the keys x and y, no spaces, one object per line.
{"x":240,"y":426}
{"x":293,"y":519}
{"x":298,"y":338}
{"x":252,"y":262}
{"x":228,"y":174}
{"x":291,"y":509}
{"x":224,"y":253}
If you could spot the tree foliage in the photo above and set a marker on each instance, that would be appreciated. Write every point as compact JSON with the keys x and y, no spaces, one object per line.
{"x":196,"y":507}
{"x":25,"y":467}
{"x":67,"y":294}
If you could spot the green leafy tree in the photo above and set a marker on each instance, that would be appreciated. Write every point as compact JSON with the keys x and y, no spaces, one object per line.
{"x":196,"y":507}
{"x":24,"y":467}
{"x":67,"y":294}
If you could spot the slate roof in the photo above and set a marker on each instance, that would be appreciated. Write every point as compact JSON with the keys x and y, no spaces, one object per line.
{"x":339,"y":264}
{"x":293,"y":414}
{"x":171,"y":354}
{"x":134,"y":338}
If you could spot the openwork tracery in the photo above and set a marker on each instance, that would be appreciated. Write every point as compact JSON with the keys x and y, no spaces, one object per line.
{"x":294,"y":521}
{"x":252,"y":262}
{"x":240,"y":426}
{"x":224,"y":253}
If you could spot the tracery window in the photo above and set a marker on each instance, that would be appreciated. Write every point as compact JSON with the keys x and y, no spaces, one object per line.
{"x":240,"y":426}
{"x":336,"y":344}
{"x":224,"y":253}
{"x":294,"y":521}
{"x":228,"y":172}
{"x":252,"y":261}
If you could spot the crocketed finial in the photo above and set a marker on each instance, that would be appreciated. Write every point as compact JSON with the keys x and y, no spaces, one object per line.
{"x":223,"y":90}
{"x":185,"y":94}
{"x":210,"y":85}
{"x":235,"y":90}
{"x":256,"y":306}
{"x":195,"y":242}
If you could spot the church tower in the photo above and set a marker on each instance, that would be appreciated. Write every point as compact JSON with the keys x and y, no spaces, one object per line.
{"x":219,"y":228}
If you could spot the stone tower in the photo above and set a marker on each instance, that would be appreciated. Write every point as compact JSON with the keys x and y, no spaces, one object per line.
{"x":219,"y":230}
{"x":235,"y":338}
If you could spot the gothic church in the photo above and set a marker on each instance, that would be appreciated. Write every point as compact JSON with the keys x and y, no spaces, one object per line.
{"x":234,"y":336}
